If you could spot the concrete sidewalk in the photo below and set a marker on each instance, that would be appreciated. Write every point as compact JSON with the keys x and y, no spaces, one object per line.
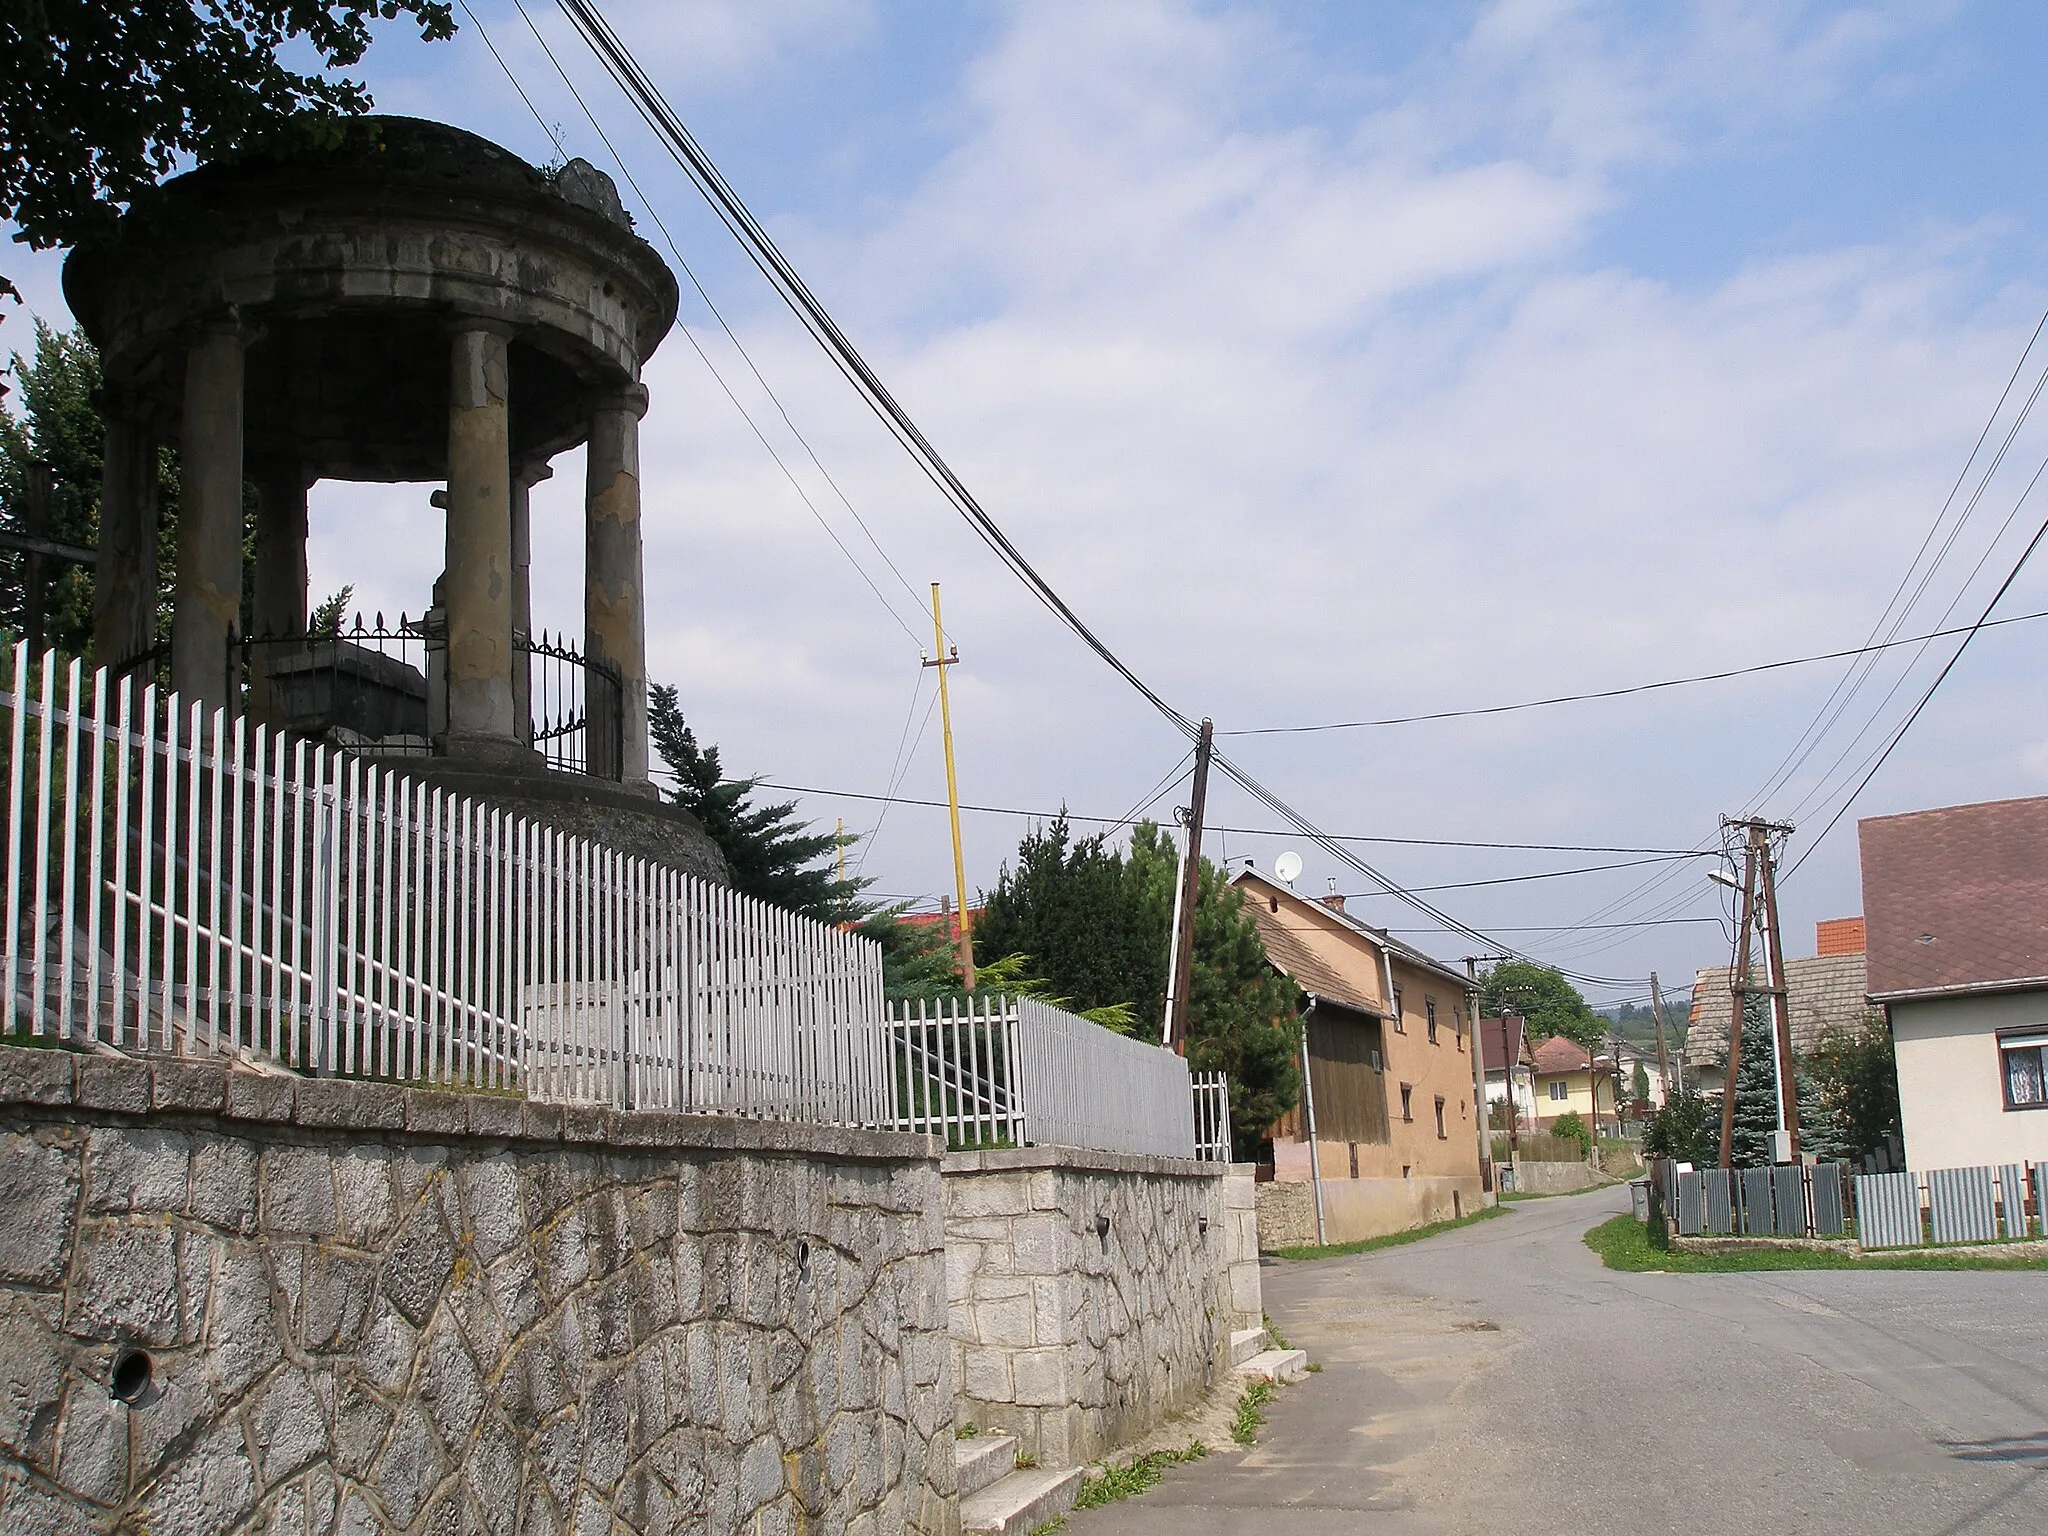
{"x":1499,"y":1379}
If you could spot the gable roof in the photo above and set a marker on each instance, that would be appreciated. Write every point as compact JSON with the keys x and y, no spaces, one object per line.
{"x":1517,"y":1044}
{"x":1407,"y":954}
{"x":1303,"y":965}
{"x":1956,"y":900}
{"x":1300,"y":964}
{"x":1822,"y":992}
{"x":1557,"y":1054}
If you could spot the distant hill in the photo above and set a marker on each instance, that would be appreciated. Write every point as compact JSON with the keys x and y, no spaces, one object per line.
{"x":1638,"y":1026}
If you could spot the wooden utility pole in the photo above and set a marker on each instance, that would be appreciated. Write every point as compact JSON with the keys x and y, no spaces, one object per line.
{"x":1663,"y":1058}
{"x":948,"y":658}
{"x":1781,"y":1011}
{"x":1190,"y":890}
{"x":1759,"y":909}
{"x":1479,"y":1074}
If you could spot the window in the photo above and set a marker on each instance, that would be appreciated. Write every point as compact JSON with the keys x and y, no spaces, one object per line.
{"x":1559,"y":1092}
{"x":1429,"y":1004}
{"x":1407,"y":1101}
{"x":1439,"y":1119}
{"x":1354,"y":1159}
{"x":2024,"y":1060}
{"x":1399,"y":1027}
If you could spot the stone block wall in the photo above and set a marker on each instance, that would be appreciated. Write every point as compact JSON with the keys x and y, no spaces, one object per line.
{"x":1355,"y":1209}
{"x":1243,"y":1294}
{"x":364,"y":1308}
{"x":1073,"y":1336}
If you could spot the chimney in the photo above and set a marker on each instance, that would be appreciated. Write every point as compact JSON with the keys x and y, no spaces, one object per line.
{"x":1838,"y":936}
{"x":1334,"y":901}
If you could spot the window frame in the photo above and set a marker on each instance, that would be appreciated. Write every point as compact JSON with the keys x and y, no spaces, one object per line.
{"x":1400,"y":1027}
{"x":1560,"y":1091}
{"x":1407,"y":1103}
{"x":1441,"y":1133}
{"x":1429,"y":1009}
{"x":2017,"y":1042}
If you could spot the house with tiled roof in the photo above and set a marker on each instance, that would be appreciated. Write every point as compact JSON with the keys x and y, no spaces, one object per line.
{"x":1955,"y":902}
{"x":1387,"y":1136}
{"x":1569,"y":1079}
{"x":1824,"y":992}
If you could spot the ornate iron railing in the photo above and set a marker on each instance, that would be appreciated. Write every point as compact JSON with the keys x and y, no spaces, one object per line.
{"x":378,"y":689}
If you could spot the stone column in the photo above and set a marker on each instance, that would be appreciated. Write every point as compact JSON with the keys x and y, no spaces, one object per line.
{"x":209,"y":588}
{"x":478,"y":579}
{"x":124,"y":580}
{"x":278,"y":582}
{"x":614,"y":612}
{"x":522,"y":594}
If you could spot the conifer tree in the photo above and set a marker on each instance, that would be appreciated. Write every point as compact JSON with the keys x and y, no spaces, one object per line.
{"x":1755,"y":1085}
{"x":769,"y":853}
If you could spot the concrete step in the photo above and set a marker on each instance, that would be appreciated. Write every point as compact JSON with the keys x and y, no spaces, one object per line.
{"x":1276,"y":1365}
{"x":981,"y":1460}
{"x":1020,"y":1503}
{"x":1246,"y":1342}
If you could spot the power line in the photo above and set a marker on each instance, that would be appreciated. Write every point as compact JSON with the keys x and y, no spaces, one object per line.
{"x":1617,"y":693}
{"x":1852,"y":681}
{"x":1411,"y":842}
{"x":1900,"y":734}
{"x":719,"y":315}
{"x":790,"y":287}
{"x":683,"y":326}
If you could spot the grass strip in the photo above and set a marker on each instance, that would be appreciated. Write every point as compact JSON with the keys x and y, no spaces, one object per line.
{"x":1244,"y":1424}
{"x":1624,"y":1243}
{"x":1390,"y":1239}
{"x":1121,"y":1479}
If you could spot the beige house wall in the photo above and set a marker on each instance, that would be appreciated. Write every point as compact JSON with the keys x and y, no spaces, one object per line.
{"x":1951,"y":1086}
{"x":1417,"y":1176}
{"x":1578,"y":1098}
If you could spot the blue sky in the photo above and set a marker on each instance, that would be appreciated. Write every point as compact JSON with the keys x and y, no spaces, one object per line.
{"x":1337,"y":361}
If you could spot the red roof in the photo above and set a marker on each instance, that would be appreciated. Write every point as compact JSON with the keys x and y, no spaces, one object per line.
{"x":1558,"y":1054}
{"x":1516,"y":1045}
{"x":1956,"y":900}
{"x":1838,"y":936}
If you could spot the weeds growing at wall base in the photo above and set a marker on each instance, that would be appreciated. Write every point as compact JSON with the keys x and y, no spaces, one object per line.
{"x":1120,"y":1480}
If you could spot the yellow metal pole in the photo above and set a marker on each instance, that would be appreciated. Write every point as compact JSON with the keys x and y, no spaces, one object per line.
{"x":946,"y":659}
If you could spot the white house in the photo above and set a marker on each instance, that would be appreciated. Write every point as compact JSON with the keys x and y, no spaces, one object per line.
{"x":1955,"y":903}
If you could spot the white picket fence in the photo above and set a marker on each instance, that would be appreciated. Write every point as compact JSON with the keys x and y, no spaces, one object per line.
{"x":180,"y":880}
{"x":1011,"y":1072}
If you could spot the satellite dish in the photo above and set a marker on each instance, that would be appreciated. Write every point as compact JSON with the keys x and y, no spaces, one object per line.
{"x":1288,"y":867}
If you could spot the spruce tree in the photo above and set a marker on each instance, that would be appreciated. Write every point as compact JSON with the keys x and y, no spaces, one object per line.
{"x":1755,"y":1085}
{"x":769,"y":853}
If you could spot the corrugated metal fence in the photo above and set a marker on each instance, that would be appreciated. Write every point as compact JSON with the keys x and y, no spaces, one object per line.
{"x":997,"y":1072}
{"x":1891,"y":1210}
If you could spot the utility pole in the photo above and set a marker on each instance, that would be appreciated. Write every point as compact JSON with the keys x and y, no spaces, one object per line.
{"x":1479,"y":1067}
{"x":839,"y":848}
{"x":1663,"y":1060}
{"x":1759,"y":910}
{"x":950,"y":658}
{"x":1190,"y":892}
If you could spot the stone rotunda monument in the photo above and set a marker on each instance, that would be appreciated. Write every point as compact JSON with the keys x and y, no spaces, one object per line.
{"x":415,"y":304}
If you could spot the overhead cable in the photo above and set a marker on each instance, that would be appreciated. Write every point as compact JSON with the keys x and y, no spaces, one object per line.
{"x":739,"y":220}
{"x":1617,"y":693}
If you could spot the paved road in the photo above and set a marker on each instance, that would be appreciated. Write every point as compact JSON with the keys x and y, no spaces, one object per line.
{"x":1498,"y":1378}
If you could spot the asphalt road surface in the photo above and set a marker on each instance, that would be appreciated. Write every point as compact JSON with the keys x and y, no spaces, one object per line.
{"x":1499,"y":1378}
